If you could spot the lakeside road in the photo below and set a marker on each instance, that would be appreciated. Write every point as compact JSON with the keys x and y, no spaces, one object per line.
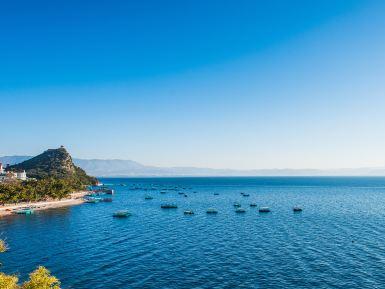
{"x":75,"y":199}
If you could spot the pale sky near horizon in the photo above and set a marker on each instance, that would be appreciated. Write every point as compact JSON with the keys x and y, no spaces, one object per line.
{"x":222,"y":84}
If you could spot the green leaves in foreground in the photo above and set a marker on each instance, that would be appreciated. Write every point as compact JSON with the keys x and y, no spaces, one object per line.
{"x":38,"y":279}
{"x":41,"y":278}
{"x":8,"y":281}
{"x":3,"y":247}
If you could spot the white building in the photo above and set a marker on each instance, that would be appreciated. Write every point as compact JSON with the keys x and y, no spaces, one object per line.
{"x":9,"y":176}
{"x":21,"y":176}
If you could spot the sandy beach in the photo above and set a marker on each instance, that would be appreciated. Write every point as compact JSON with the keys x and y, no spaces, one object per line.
{"x":75,"y":199}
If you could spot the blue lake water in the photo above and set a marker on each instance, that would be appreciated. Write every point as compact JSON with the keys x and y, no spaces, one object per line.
{"x":338,"y":241}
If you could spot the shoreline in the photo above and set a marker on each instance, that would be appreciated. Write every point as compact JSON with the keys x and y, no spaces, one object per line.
{"x":75,"y":199}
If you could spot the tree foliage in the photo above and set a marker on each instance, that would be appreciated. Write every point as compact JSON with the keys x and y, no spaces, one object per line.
{"x":3,"y":247}
{"x":54,"y":163}
{"x":41,"y":278}
{"x":37,"y":190}
{"x":8,"y":281}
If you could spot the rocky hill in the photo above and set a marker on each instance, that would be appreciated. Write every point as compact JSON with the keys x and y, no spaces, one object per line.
{"x":53,"y":163}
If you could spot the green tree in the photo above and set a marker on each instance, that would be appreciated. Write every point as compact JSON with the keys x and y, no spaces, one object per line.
{"x":38,"y":190}
{"x":8,"y":281}
{"x":3,"y":247}
{"x":41,"y":278}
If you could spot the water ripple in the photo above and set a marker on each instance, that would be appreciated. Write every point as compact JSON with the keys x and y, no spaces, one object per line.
{"x":336,"y":242}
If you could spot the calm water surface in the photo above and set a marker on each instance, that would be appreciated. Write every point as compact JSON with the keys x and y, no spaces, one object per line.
{"x":338,"y":241}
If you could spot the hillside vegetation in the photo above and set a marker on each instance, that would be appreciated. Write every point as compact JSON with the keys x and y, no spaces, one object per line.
{"x":37,"y":190}
{"x":54,"y":176}
{"x":54,"y":163}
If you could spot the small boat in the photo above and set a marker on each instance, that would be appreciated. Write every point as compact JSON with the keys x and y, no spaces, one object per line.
{"x":188,"y":212}
{"x":236,"y":204}
{"x":106,"y":200}
{"x":163,"y":192}
{"x":253,"y":205}
{"x":246,"y":195}
{"x":92,"y":200}
{"x":216,"y":194}
{"x":104,"y":190}
{"x":24,"y":211}
{"x":148,"y":197}
{"x":169,"y":206}
{"x":297,"y":209}
{"x":181,"y":193}
{"x":121,"y":214}
{"x":264,"y":209}
{"x":240,"y":210}
{"x":211,"y":211}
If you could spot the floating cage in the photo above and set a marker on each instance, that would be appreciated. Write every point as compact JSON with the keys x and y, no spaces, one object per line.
{"x":264,"y":210}
{"x":211,"y":211}
{"x":121,"y":214}
{"x":169,"y":206}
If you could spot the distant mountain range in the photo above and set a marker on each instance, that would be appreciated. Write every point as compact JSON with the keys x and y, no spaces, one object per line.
{"x":128,"y":168}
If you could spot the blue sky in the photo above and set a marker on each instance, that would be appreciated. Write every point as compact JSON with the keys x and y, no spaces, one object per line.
{"x":223,"y":84}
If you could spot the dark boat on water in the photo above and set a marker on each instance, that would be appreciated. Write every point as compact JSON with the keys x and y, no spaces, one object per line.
{"x":104,"y":191}
{"x":169,"y":206}
{"x":121,"y":214}
{"x":92,"y":200}
{"x":240,"y":210}
{"x":211,"y":211}
{"x":264,"y":210}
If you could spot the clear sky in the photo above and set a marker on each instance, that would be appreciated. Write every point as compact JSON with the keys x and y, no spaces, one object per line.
{"x":241,"y":84}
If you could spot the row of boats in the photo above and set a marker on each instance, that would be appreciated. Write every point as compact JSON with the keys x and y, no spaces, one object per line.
{"x":184,"y":194}
{"x":210,"y":211}
{"x":94,"y":198}
{"x":238,"y":209}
